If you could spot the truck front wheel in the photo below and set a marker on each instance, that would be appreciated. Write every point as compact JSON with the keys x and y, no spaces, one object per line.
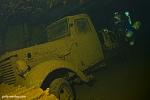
{"x":61,"y":89}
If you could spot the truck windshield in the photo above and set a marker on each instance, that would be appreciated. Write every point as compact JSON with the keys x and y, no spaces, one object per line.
{"x":57,"y":30}
{"x":82,"y":25}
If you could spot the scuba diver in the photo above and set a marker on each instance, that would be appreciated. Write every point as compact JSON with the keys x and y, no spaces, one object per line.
{"x":130,"y":29}
{"x":125,"y":28}
{"x":121,"y":33}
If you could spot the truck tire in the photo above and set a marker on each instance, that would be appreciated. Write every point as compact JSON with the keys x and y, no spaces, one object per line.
{"x":61,"y":89}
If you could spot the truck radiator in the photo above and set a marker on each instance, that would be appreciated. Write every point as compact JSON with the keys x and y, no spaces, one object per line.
{"x":7,"y":71}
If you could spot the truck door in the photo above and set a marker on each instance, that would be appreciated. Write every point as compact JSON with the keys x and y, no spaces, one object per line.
{"x":89,"y":47}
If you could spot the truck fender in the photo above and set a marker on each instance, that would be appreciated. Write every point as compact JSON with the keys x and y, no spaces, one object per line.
{"x":38,"y":73}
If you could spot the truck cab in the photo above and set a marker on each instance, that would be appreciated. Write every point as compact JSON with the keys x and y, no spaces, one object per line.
{"x":72,"y":46}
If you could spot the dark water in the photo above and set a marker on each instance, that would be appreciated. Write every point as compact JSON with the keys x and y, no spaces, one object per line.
{"x":121,"y":79}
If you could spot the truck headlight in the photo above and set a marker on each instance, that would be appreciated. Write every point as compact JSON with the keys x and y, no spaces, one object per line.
{"x":21,"y":67}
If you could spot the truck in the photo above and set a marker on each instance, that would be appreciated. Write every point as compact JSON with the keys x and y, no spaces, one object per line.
{"x":72,"y":48}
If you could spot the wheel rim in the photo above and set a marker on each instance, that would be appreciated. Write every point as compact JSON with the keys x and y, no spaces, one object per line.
{"x":61,"y":89}
{"x":65,"y":93}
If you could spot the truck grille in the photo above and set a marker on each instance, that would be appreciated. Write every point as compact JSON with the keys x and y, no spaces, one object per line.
{"x":7,"y":71}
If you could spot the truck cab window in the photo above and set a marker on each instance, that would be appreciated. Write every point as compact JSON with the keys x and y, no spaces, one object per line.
{"x":57,"y":30}
{"x":82,"y":25}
